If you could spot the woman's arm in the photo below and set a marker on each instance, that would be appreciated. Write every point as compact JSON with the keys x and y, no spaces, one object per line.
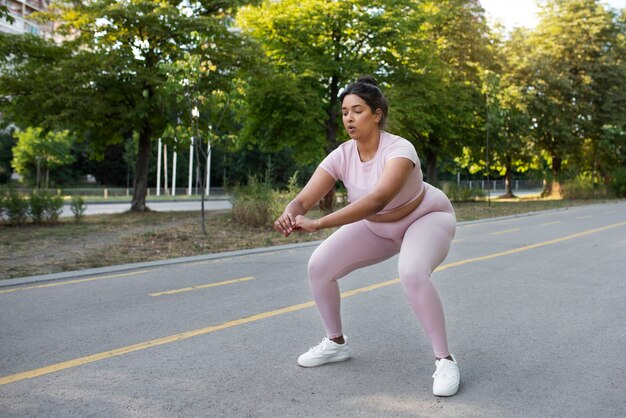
{"x":395,"y":174}
{"x":318,"y":185}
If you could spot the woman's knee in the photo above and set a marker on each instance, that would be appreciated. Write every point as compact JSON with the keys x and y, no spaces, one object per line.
{"x":413,"y":274}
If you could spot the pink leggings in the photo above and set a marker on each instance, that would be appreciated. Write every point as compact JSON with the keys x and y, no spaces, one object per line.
{"x":423,"y":240}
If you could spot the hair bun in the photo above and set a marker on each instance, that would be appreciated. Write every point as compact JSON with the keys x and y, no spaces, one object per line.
{"x":368,"y":79}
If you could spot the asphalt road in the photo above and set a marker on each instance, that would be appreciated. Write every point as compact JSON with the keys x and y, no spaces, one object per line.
{"x":535,"y":309}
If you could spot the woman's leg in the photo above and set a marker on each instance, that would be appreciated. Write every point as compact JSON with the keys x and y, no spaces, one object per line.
{"x":425,"y":245}
{"x":351,"y":247}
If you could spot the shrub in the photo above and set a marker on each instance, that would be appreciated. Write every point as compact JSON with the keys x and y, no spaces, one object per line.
{"x":45,"y":207}
{"x":280,"y":199}
{"x":37,"y":206}
{"x":618,"y":182}
{"x":257,"y":204}
{"x":16,"y":207}
{"x":583,"y":187}
{"x":53,"y":208}
{"x":461,"y":194}
{"x":78,"y":207}
{"x":252,"y":202}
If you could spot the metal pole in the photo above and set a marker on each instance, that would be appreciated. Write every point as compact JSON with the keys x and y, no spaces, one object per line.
{"x":190,"y":167}
{"x":165,"y":169}
{"x":208,"y":162}
{"x":158,"y":185}
{"x":174,"y":173}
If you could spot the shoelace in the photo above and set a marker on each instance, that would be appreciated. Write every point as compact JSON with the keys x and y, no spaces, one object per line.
{"x":321,"y":346}
{"x":442,"y":368}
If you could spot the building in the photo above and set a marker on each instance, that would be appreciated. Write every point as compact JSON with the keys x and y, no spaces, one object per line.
{"x":20,"y":10}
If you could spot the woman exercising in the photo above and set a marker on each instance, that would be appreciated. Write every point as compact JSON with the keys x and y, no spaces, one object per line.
{"x":392,"y":210}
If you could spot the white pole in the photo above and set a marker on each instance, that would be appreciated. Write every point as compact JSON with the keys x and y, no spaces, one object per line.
{"x":165,"y":168}
{"x":158,"y":188}
{"x":174,"y":173}
{"x":208,"y":163}
{"x":190,"y":167}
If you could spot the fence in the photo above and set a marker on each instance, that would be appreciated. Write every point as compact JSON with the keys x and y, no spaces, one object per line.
{"x":122,"y":192}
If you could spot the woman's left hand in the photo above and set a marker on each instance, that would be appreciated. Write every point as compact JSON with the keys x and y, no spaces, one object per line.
{"x":308,"y":225}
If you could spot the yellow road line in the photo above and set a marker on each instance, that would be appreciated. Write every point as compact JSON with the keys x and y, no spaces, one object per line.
{"x":202,"y":286}
{"x":551,"y":223}
{"x":90,"y":279}
{"x":506,"y":232}
{"x":264,"y":315}
{"x":458,"y":240}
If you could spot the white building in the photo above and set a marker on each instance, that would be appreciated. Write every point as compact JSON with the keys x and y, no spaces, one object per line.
{"x":20,"y":10}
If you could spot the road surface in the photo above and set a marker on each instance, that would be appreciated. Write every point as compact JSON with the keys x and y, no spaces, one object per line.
{"x":535,"y":315}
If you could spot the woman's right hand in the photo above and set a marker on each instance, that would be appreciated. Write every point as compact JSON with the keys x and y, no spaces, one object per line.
{"x":285,"y":224}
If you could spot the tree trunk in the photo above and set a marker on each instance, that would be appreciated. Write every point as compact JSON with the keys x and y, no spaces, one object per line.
{"x":431,"y":166}
{"x":140,"y":183}
{"x":553,"y":187}
{"x":508,"y":189}
{"x":328,"y":202}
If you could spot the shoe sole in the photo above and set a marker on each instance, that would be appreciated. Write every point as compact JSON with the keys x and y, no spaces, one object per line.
{"x":333,"y":360}
{"x":451,"y":392}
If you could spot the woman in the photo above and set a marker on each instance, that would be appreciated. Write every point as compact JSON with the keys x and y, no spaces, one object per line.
{"x":392,"y":210}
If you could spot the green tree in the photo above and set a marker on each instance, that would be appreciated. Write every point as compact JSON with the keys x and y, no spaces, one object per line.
{"x":436,"y":79}
{"x":569,"y":83}
{"x":37,"y":152}
{"x":311,"y":49}
{"x":108,"y":80}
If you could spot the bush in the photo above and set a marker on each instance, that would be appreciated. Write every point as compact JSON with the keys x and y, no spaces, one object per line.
{"x":53,"y":208}
{"x":45,"y":207}
{"x":37,"y":206}
{"x":583,"y":187}
{"x":15,"y":207}
{"x":618,"y":182}
{"x":78,"y":207}
{"x":257,"y":204}
{"x":461,"y":194}
{"x":252,"y":202}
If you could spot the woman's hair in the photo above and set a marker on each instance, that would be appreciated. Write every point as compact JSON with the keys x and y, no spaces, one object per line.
{"x":367,"y":89}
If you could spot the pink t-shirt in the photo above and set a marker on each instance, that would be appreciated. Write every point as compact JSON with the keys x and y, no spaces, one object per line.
{"x":360,"y":178}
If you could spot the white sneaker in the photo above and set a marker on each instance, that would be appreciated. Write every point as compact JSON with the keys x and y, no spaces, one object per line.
{"x":325,"y":352}
{"x":447,"y":377}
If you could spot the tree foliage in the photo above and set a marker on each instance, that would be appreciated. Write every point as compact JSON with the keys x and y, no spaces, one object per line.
{"x":37,"y":152}
{"x":572,"y":83}
{"x":109,"y":78}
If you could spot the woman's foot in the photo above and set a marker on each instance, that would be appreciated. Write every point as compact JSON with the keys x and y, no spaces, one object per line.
{"x":447,"y":377}
{"x":327,"y":351}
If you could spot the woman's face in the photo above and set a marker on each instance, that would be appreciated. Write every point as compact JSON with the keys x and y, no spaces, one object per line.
{"x":358,"y":118}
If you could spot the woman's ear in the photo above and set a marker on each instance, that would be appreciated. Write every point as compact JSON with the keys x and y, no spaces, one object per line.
{"x":379,"y":115}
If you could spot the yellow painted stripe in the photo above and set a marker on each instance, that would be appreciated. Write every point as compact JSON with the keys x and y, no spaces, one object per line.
{"x":90,"y":279}
{"x":551,"y":223}
{"x":203,"y":286}
{"x":458,"y":240}
{"x":508,"y":231}
{"x":293,"y":308}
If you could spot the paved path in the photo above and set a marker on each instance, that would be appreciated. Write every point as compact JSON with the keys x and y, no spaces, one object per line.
{"x":535,"y":311}
{"x":163,"y":206}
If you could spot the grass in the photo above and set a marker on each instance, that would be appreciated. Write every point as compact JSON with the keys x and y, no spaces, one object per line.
{"x":105,"y":240}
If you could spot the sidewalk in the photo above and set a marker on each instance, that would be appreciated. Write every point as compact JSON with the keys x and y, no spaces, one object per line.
{"x":159,"y":206}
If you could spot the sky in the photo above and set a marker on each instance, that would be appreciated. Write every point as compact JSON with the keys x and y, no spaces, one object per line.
{"x":523,"y":12}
